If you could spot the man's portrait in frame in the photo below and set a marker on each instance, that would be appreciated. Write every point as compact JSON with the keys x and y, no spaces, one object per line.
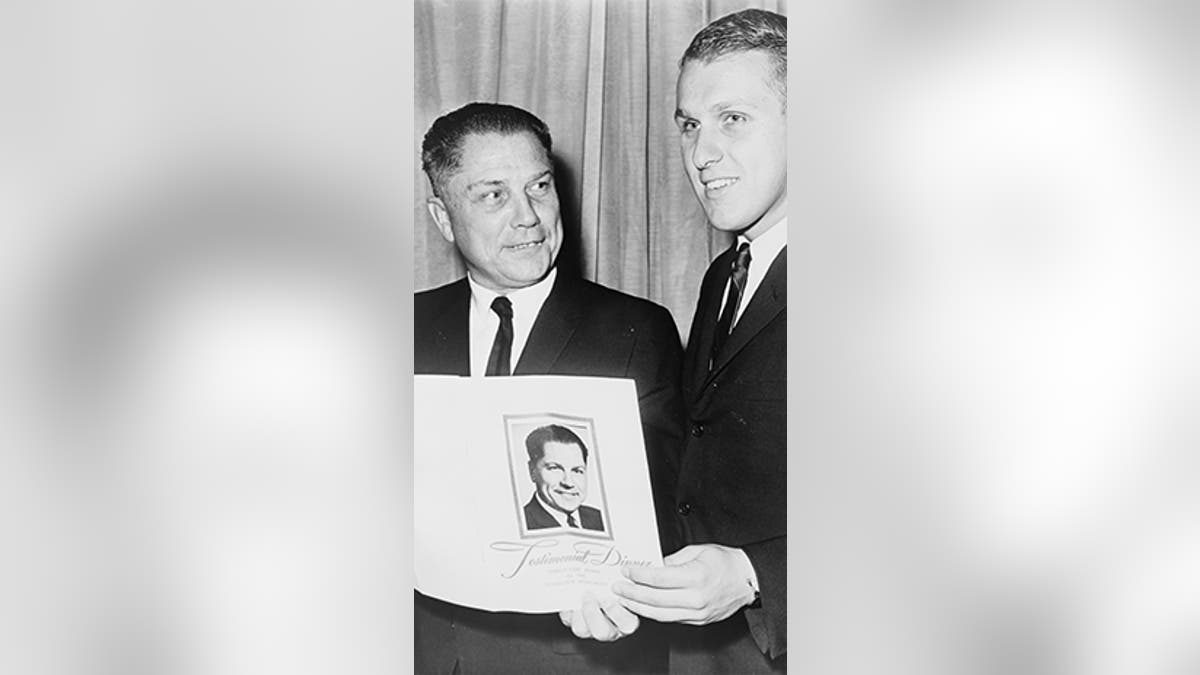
{"x":557,"y":483}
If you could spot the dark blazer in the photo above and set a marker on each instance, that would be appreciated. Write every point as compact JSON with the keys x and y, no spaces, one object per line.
{"x":583,"y":329}
{"x":732,"y":486}
{"x":538,"y":518}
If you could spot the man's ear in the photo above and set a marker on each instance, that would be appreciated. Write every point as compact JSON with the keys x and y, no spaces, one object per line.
{"x":533,"y":472}
{"x":441,"y":217}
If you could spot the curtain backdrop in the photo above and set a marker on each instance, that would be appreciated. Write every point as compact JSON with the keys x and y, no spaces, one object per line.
{"x":601,"y":74}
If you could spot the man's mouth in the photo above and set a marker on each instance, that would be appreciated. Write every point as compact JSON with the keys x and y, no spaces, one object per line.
{"x":717,"y":184}
{"x":526,"y":246}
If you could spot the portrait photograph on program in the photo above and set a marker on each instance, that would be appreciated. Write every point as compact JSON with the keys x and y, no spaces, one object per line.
{"x":555,"y":471}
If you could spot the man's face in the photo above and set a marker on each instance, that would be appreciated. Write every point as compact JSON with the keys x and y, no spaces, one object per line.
{"x":561,"y":476}
{"x":733,"y":134}
{"x":501,"y":210}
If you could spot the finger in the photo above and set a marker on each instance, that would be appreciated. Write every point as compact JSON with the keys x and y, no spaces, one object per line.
{"x":579,"y":626}
{"x":565,"y":617}
{"x":663,"y":614}
{"x":626,"y":621}
{"x":678,"y":576}
{"x":598,"y":624}
{"x":656,"y":597}
{"x":684,"y":555}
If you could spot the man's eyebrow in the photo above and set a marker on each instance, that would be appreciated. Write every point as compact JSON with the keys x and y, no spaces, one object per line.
{"x":719,"y":106}
{"x":493,"y":182}
{"x":547,"y":172}
{"x":732,"y":103}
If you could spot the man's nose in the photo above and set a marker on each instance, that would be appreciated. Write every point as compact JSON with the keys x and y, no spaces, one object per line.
{"x":707,"y":150}
{"x":568,"y":480}
{"x":524,"y":215}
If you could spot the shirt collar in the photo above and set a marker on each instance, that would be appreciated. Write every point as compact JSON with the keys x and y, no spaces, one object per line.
{"x":523,"y":299}
{"x":558,"y":515}
{"x":767,"y":245}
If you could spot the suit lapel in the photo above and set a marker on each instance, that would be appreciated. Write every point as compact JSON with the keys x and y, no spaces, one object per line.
{"x":555,"y":324}
{"x":451,"y":328}
{"x":769,"y":300}
{"x":538,"y":517}
{"x":704,"y":324}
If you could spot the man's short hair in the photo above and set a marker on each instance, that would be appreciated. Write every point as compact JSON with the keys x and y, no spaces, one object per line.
{"x":535,"y":442}
{"x":441,"y":151}
{"x":744,"y":31}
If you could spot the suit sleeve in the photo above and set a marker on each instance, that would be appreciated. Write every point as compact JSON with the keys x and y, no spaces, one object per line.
{"x":768,"y":621}
{"x":655,"y":364}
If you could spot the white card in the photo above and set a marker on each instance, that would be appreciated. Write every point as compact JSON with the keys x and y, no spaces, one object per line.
{"x":499,"y":464}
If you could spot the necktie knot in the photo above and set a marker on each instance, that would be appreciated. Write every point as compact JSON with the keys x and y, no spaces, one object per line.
{"x":571,"y":520}
{"x":502,"y":306}
{"x":741,"y":266}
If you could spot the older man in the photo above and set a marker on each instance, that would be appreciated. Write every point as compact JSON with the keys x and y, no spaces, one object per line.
{"x":558,"y":467}
{"x":516,"y":313}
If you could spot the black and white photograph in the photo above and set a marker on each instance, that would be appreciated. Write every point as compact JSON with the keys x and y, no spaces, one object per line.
{"x":557,"y":481}
{"x":450,"y":337}
{"x":603,"y":193}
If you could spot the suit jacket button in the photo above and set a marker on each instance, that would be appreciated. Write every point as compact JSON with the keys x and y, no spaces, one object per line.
{"x":685,"y":508}
{"x":697,"y":430}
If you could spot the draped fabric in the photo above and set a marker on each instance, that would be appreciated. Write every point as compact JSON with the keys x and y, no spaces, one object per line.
{"x":601,"y":74}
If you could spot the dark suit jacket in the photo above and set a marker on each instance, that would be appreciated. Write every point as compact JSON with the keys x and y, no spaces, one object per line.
{"x":583,"y":329}
{"x":537,"y":518}
{"x":732,"y":486}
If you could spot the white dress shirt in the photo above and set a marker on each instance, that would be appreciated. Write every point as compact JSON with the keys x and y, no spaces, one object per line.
{"x":483,"y":322}
{"x":763,"y":250}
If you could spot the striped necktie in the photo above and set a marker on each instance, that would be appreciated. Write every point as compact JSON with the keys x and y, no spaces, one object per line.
{"x":739,"y":270}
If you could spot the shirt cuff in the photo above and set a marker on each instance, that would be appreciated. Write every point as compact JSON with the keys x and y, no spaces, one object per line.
{"x":748,"y":573}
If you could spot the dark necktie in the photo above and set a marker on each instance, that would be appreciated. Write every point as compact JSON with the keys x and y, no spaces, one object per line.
{"x":739,"y":270}
{"x":499,"y":360}
{"x":571,"y":520}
